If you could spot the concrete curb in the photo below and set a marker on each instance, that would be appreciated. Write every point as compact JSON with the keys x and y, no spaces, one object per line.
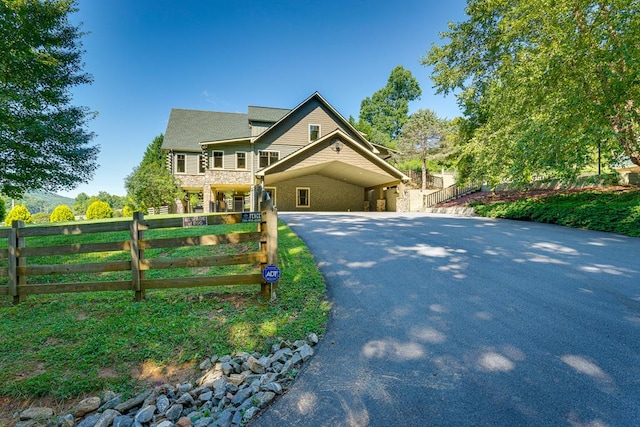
{"x":453,"y":210}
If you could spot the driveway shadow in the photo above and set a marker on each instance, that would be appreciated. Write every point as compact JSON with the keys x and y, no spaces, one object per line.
{"x":444,"y":320}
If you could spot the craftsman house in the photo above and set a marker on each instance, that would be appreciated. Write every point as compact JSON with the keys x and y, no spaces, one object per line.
{"x":306,"y":159}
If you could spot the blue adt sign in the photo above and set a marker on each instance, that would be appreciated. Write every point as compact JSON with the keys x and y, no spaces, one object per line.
{"x":271,"y":274}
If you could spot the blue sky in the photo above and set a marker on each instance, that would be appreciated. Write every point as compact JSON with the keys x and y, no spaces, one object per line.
{"x":148,"y":56}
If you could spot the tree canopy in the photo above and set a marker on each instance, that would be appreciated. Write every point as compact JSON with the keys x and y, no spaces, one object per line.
{"x":44,"y":143}
{"x":424,"y":136}
{"x":151,"y":184}
{"x":384,"y":113}
{"x":545,"y":86}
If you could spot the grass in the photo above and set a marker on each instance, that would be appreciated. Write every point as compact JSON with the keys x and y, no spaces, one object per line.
{"x":65,"y":346}
{"x":615,"y":212}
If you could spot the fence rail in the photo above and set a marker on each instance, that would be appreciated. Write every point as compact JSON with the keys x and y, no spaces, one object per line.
{"x":28,"y":275}
{"x":432,"y":181}
{"x":450,"y":193}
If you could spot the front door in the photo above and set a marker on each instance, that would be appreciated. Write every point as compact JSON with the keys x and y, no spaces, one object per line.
{"x":238,"y":201}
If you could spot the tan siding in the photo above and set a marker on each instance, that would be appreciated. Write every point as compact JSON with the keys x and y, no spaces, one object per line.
{"x":325,"y":194}
{"x":293,"y":133}
{"x":192,"y":164}
{"x":258,"y":128}
{"x":229,"y":156}
{"x":322,"y":153}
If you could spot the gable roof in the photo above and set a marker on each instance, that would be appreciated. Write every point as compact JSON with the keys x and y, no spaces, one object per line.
{"x":316,"y":95}
{"x":187,"y":128}
{"x":373,"y":158}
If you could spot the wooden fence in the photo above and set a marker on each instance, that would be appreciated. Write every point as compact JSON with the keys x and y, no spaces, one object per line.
{"x":432,"y":181}
{"x":450,"y":193}
{"x":17,"y":260}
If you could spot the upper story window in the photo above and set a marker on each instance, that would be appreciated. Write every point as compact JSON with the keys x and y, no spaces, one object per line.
{"x":314,"y":132}
{"x":241,"y":160}
{"x":181,"y":163}
{"x":201,"y":164}
{"x":216,"y":158}
{"x":268,"y":158}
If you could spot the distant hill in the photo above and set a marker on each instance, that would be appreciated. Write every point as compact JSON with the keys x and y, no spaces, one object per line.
{"x":40,"y":201}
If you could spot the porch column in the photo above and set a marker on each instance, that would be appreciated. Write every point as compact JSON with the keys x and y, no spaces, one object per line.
{"x":206,"y":199}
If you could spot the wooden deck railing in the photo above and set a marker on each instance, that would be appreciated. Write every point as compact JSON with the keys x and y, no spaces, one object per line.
{"x":23,"y":275}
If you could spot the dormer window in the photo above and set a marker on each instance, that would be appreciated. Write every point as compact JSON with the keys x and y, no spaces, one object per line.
{"x":314,"y":132}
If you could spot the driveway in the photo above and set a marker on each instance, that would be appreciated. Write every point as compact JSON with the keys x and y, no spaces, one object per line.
{"x":452,"y":321}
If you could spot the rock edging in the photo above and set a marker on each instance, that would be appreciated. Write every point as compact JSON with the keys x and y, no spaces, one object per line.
{"x":229,"y":392}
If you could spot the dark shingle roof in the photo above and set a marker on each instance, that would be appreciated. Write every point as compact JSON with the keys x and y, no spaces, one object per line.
{"x":188,"y":128}
{"x":266,"y":114}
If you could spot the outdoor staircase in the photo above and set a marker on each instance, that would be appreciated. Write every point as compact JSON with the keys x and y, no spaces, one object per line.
{"x":447,"y":194}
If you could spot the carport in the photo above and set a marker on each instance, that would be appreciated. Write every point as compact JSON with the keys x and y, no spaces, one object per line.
{"x":333,"y":173}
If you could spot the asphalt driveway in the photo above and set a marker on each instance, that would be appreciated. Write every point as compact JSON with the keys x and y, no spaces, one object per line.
{"x":443,"y":320}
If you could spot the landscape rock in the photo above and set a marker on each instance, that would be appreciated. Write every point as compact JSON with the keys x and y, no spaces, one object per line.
{"x":305,"y":352}
{"x":87,"y":405}
{"x":133,"y":402}
{"x":230,"y":391}
{"x":122,"y":421}
{"x":250,"y":413}
{"x":110,"y":403}
{"x":313,"y":338}
{"x":145,"y":414}
{"x":185,"y":399}
{"x":174,"y":412}
{"x":89,"y":421}
{"x":107,"y":417}
{"x":36,"y":413}
{"x":67,"y":421}
{"x":162,"y":404}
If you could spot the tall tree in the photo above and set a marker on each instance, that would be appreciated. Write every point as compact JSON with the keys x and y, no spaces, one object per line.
{"x":545,"y":85}
{"x":151,"y":184}
{"x":44,"y":143}
{"x":424,"y":136}
{"x":387,"y":110}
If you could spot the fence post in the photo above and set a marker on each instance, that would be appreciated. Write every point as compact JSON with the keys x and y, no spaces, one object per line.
{"x":15,"y":260}
{"x":136,"y":256}
{"x":269,"y":245}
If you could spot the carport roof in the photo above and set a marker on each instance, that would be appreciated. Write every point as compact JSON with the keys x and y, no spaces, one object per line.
{"x":338,"y":170}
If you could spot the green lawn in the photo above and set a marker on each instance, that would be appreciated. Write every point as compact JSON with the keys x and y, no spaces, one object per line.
{"x":68,"y":345}
{"x":615,"y":212}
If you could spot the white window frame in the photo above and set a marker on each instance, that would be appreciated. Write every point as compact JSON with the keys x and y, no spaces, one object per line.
{"x":268,"y":158}
{"x":298,"y":205}
{"x":213,"y":159}
{"x":245,"y":160}
{"x":184,"y":164}
{"x":319,"y":132}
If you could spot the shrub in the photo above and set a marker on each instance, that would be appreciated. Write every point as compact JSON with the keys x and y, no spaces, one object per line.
{"x":3,"y":212}
{"x":99,"y":210}
{"x":18,"y":213}
{"x":62,"y":213}
{"x":128,"y":211}
{"x":40,"y":218}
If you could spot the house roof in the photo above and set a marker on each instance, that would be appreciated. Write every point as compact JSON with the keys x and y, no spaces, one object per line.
{"x":266,"y":114}
{"x":187,"y":128}
{"x":340,"y":117}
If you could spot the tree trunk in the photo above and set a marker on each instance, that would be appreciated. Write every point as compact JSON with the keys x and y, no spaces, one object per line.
{"x":627,"y":127}
{"x":424,"y":173}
